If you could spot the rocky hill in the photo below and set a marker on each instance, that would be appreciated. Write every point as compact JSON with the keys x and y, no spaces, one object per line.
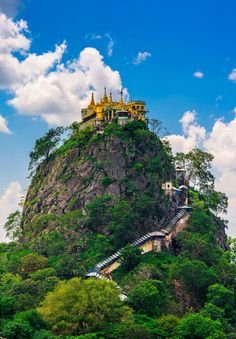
{"x":127,"y":163}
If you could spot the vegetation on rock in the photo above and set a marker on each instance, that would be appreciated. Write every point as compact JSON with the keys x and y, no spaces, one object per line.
{"x":93,"y":195}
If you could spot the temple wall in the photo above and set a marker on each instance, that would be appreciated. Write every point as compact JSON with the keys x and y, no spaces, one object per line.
{"x":181,"y":225}
{"x":110,"y":268}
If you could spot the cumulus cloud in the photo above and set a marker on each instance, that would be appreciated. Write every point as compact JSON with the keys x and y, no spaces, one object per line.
{"x":9,"y":202}
{"x":59,"y":95}
{"x":16,"y":74}
{"x":3,"y":125}
{"x":221,"y":142}
{"x":43,"y":85}
{"x":193,"y":134}
{"x":12,"y":35}
{"x":232,"y":75}
{"x":198,"y":74}
{"x":141,"y":57}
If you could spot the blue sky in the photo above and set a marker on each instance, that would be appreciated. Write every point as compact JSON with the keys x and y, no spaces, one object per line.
{"x":175,"y":39}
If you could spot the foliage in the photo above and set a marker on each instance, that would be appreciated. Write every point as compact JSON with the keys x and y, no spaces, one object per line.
{"x":221,"y":297}
{"x":148,"y":297}
{"x":197,"y":246}
{"x":198,"y":326}
{"x":32,"y":262}
{"x":197,"y":164}
{"x":216,"y":202}
{"x":156,"y":126}
{"x":130,"y":257}
{"x":98,"y":212}
{"x":106,"y":181}
{"x":78,"y":139}
{"x":122,"y":223}
{"x":185,"y":292}
{"x":196,"y":277}
{"x":168,"y":323}
{"x":13,"y":225}
{"x":19,"y":329}
{"x":133,"y":126}
{"x":44,"y":147}
{"x":79,"y":306}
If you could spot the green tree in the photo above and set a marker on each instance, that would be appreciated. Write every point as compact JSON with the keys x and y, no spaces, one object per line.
{"x":196,"y":326}
{"x":201,"y":220}
{"x":122,"y":223}
{"x":156,"y":126}
{"x":33,"y":318}
{"x":7,"y":306}
{"x":80,"y":306}
{"x":212,"y":311}
{"x":44,"y":147}
{"x":98,"y":212}
{"x":217,"y":202}
{"x":195,"y":276}
{"x":148,"y":297}
{"x":17,"y":329}
{"x":168,"y":323}
{"x":68,"y":266}
{"x":221,"y":297}
{"x":13,"y":225}
{"x":32,"y":262}
{"x":130,"y":257}
{"x":197,"y":164}
{"x":199,"y":247}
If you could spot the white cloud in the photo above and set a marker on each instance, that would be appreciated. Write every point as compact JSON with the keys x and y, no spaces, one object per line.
{"x":232,"y":75}
{"x":141,"y":56}
{"x":193,"y":134}
{"x":15,"y":73}
{"x":12,"y":35}
{"x":109,"y":45}
{"x":9,"y":202}
{"x":3,"y":125}
{"x":198,"y":74}
{"x":59,"y":95}
{"x":221,"y":142}
{"x":44,"y":86}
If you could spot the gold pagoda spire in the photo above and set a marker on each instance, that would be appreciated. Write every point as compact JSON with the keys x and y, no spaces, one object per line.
{"x":92,"y":102}
{"x":110,"y":97}
{"x":121,"y":96}
{"x":105,"y":98}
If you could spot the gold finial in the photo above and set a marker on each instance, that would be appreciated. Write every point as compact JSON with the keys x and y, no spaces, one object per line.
{"x":92,"y":102}
{"x":121,"y":96}
{"x":105,"y":98}
{"x":110,"y":97}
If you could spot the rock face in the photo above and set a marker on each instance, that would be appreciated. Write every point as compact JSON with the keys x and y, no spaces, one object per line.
{"x":117,"y":165}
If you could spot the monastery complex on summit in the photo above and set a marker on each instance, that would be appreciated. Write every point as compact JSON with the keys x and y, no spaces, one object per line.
{"x":107,"y":110}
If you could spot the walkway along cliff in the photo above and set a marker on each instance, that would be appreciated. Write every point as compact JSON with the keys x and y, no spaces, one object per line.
{"x":153,"y":241}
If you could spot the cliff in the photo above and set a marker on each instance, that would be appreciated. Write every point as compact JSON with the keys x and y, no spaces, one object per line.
{"x":122,"y":162}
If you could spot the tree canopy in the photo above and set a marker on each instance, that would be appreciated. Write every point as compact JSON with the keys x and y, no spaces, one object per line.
{"x":44,"y":146}
{"x":80,"y":306}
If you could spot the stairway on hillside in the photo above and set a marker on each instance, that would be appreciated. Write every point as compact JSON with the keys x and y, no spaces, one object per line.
{"x":166,"y":229}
